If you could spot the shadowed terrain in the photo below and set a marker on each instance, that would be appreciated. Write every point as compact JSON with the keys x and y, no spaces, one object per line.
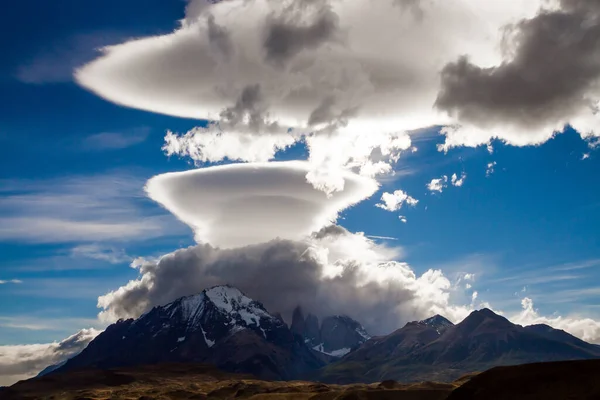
{"x":548,"y":381}
{"x":196,"y":381}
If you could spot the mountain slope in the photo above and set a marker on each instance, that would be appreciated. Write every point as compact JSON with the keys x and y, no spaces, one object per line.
{"x":483,"y":340}
{"x":336,"y":336}
{"x":219,"y":326}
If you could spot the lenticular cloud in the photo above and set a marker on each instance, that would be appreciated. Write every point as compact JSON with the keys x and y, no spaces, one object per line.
{"x":517,"y":71}
{"x":242,"y":204}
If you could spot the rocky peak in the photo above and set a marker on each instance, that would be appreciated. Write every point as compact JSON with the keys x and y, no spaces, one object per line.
{"x":298,"y":321}
{"x":336,"y":336}
{"x":220,"y":325}
{"x":438,"y":322}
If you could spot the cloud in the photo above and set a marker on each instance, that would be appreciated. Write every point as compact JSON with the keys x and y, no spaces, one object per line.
{"x":367,"y":68}
{"x":333,"y":73}
{"x":241,"y":204}
{"x":549,"y":78}
{"x":301,"y":25}
{"x":584,"y":328}
{"x":14,"y":281}
{"x":456,"y":181}
{"x":438,"y":184}
{"x":490,"y":168}
{"x":211,"y":144}
{"x":394,"y":201}
{"x":25,"y":361}
{"x":331,"y":272}
{"x":370,"y":155}
{"x":55,"y":64}
{"x":114,"y":141}
{"x":102,"y":253}
{"x":80,"y":208}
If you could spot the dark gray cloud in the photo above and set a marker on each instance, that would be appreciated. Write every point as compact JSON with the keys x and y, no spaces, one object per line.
{"x":282,"y":275}
{"x":219,"y":37}
{"x":331,"y":230}
{"x":550,"y":75}
{"x":249,"y":111}
{"x":302,"y":25}
{"x":328,"y":112}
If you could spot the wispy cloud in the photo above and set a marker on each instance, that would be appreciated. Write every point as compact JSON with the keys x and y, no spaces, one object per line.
{"x":114,"y":140}
{"x":80,"y":209}
{"x":16,"y":281}
{"x":55,"y":64}
{"x":101,"y":253}
{"x":55,"y":324}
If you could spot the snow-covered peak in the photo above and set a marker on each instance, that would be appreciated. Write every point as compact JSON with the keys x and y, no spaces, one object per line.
{"x":439,"y":323}
{"x":191,"y":307}
{"x":227,"y":298}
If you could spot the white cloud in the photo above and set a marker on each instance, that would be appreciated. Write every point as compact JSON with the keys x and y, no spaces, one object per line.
{"x":15,"y":281}
{"x":240,"y":204}
{"x":113,"y":140}
{"x":351,"y":80}
{"x":585,"y":328}
{"x":438,"y":184}
{"x":402,"y":218}
{"x":469,"y":277}
{"x":490,"y":168}
{"x":102,"y":253}
{"x":212,"y":145}
{"x":585,"y":156}
{"x":456,"y":181}
{"x":80,"y":208}
{"x":25,"y":361}
{"x":394,"y":201}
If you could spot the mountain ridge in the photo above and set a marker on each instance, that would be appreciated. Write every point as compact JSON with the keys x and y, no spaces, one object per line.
{"x":484,"y":339}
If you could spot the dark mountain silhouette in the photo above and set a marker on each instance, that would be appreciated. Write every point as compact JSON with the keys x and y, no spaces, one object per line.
{"x":336,"y":336}
{"x":220,"y":326}
{"x":421,"y":351}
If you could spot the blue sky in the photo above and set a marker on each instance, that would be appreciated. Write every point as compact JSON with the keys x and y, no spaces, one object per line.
{"x":529,"y":227}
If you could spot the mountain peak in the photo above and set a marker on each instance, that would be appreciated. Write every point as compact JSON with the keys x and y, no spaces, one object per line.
{"x":438,"y":322}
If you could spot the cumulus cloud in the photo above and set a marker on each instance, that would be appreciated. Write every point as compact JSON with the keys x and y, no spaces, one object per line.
{"x":490,"y":168}
{"x":549,"y":78}
{"x":241,"y":204}
{"x":25,"y":361}
{"x":394,"y":201}
{"x":584,"y":328}
{"x":211,"y":144}
{"x":301,"y":25}
{"x":331,"y":272}
{"x":456,"y":181}
{"x":438,"y":184}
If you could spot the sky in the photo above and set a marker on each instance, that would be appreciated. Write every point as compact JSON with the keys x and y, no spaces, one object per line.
{"x":386,"y":159}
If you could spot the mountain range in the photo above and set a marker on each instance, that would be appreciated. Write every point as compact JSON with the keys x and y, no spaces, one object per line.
{"x":223,"y":327}
{"x":436,"y":349}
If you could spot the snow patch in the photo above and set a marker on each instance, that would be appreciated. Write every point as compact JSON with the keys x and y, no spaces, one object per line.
{"x":208,"y":342}
{"x":335,"y":353}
